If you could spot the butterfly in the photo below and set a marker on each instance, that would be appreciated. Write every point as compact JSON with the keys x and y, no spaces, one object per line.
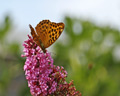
{"x":46,"y":33}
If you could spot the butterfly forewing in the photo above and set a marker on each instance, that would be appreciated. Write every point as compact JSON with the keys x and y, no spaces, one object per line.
{"x":54,"y":32}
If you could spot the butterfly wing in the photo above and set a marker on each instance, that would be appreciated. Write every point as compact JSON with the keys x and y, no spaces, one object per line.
{"x":42,"y":31}
{"x":48,"y":32}
{"x":54,"y":31}
{"x":34,"y":35}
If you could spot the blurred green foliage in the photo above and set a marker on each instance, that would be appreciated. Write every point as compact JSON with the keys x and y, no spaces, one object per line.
{"x":89,"y":53}
{"x":12,"y":79}
{"x":5,"y":27}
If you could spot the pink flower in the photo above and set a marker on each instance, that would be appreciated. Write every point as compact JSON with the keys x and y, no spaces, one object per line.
{"x":43,"y":77}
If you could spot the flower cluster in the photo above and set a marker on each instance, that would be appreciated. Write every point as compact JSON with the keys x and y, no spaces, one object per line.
{"x":44,"y":78}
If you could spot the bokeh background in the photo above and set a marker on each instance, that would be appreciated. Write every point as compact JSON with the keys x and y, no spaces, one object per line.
{"x":89,"y":47}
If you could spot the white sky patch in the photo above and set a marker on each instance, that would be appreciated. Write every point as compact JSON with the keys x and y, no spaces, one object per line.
{"x":25,"y":12}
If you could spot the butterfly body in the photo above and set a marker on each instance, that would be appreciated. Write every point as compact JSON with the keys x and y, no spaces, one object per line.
{"x":46,"y":33}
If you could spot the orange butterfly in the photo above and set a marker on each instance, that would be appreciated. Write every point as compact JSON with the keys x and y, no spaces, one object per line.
{"x":46,"y":33}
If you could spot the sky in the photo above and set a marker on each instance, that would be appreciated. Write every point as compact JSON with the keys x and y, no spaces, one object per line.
{"x":25,"y":12}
